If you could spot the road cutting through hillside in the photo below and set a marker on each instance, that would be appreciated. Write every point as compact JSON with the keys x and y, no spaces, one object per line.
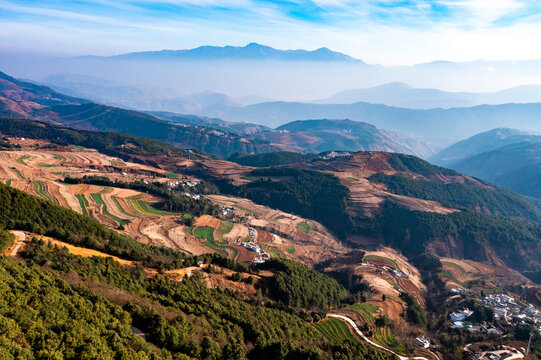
{"x":365,"y":338}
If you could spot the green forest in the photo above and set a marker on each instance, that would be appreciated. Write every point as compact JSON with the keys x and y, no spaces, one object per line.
{"x":410,"y":231}
{"x":496,"y":201}
{"x":271,"y":158}
{"x":59,"y":306}
{"x":297,"y":285}
{"x":85,"y":306}
{"x":307,"y":193}
{"x":109,"y":143}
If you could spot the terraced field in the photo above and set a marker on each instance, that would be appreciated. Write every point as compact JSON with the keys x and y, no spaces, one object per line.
{"x":389,"y":262}
{"x":98,"y":200}
{"x":207,"y":233}
{"x":335,"y":330}
{"x":22,"y":158}
{"x":83,"y":202}
{"x":367,"y":310}
{"x":41,"y":190}
{"x":385,"y":337}
{"x":146,"y":208}
{"x":41,"y":172}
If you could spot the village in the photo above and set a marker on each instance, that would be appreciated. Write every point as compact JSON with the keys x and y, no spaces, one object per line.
{"x":508,"y":313}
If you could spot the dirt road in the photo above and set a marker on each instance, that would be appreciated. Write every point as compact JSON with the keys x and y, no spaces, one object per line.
{"x":21,"y":237}
{"x":365,"y":338}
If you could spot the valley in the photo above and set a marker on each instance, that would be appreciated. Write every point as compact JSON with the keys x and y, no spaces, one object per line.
{"x":357,"y":252}
{"x":251,"y":233}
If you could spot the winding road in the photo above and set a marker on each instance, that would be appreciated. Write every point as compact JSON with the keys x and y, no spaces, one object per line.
{"x":21,"y":237}
{"x":365,"y":338}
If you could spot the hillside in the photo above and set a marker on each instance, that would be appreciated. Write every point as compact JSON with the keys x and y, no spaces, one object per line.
{"x":21,"y":91}
{"x":515,"y":166}
{"x":115,"y":144}
{"x":498,"y":156}
{"x":480,"y":143}
{"x":404,"y":202}
{"x":186,"y":319}
{"x":271,"y":159}
{"x":212,"y":135}
{"x":229,"y":126}
{"x":319,"y":213}
{"x":444,"y":126}
{"x":342,"y":135}
{"x":24,"y":99}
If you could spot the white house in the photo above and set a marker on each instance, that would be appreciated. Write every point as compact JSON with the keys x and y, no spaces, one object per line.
{"x":460,"y":315}
{"x":422,"y":342}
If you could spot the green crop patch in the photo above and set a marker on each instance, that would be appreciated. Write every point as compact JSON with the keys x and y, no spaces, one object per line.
{"x":172,"y":175}
{"x":207,"y":233}
{"x":304,"y":227}
{"x":455,"y":266}
{"x":43,"y":165}
{"x":365,"y":309}
{"x":225,"y":227}
{"x":41,"y":191}
{"x":335,"y":330}
{"x":120,"y":208}
{"x":83,"y":203}
{"x":22,"y":158}
{"x":147,"y":208}
{"x":16,"y":171}
{"x":390,"y":261}
{"x":99,"y":200}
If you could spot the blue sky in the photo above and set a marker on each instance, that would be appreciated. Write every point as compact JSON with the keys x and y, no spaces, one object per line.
{"x":389,"y":32}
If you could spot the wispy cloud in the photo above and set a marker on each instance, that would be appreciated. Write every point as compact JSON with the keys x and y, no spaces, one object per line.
{"x":388,"y":31}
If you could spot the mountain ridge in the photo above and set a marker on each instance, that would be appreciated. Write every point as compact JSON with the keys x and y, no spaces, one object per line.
{"x":251,"y":51}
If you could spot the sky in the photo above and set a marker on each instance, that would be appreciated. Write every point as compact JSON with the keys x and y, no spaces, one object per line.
{"x":387,"y":32}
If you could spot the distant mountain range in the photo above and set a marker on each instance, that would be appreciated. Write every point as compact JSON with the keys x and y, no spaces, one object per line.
{"x":143,"y":97}
{"x":444,"y":126}
{"x":480,"y":143}
{"x":210,"y":135}
{"x":20,"y":91}
{"x":402,"y":95}
{"x":506,"y":157}
{"x":342,"y":135}
{"x":252,"y":51}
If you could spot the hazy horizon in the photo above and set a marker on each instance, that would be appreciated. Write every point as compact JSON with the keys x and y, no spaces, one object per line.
{"x":378,"y":32}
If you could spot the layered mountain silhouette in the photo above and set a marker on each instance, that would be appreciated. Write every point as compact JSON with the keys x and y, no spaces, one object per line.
{"x":252,"y":51}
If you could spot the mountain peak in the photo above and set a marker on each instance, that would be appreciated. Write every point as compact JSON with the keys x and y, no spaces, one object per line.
{"x":251,"y":51}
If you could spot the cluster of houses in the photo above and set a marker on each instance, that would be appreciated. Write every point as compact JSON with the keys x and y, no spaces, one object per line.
{"x":227,"y":210}
{"x":217,"y":133}
{"x":250,"y":245}
{"x":192,"y":196}
{"x":505,"y":353}
{"x":334,"y":154}
{"x":399,"y":273}
{"x":510,"y":311}
{"x":458,"y":318}
{"x":263,"y":256}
